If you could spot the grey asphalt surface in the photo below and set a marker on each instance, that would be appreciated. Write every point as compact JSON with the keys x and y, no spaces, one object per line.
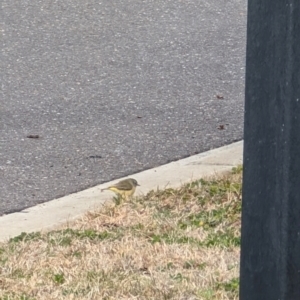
{"x":112,"y":88}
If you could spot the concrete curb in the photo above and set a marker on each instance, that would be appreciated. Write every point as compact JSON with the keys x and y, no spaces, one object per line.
{"x":59,"y":211}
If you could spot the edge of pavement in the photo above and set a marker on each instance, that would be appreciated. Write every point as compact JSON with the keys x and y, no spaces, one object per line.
{"x":59,"y":211}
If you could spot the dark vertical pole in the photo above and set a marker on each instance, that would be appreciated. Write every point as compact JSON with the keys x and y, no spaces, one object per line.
{"x":270,"y":252}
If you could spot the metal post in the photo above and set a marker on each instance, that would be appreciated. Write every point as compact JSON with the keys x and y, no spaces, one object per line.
{"x":270,"y":251}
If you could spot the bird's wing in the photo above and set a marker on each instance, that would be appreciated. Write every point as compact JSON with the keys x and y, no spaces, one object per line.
{"x":123,"y":185}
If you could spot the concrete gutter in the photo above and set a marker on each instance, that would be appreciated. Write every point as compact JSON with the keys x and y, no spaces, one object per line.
{"x":59,"y":211}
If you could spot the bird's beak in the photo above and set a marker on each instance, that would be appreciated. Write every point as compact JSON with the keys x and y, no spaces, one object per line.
{"x":138,"y":184}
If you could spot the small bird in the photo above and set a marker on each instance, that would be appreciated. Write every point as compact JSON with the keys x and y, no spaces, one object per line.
{"x":125,"y":188}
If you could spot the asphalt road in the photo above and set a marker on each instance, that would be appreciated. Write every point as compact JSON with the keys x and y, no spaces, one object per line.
{"x":112,"y":88}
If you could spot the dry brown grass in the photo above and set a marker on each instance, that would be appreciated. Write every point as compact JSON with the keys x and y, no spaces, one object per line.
{"x":171,"y":244}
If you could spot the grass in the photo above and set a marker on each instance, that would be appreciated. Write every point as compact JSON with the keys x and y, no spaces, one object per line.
{"x":171,"y":244}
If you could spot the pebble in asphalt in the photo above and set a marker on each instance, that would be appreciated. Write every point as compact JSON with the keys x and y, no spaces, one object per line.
{"x":96,"y":90}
